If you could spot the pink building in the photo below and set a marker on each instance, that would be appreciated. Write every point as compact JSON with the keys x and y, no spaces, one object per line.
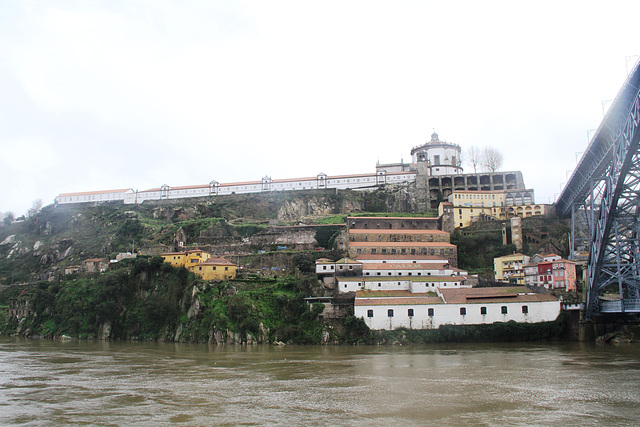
{"x":557,"y":274}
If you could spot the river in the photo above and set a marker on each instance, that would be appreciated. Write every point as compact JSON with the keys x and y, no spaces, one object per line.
{"x":45,"y":382}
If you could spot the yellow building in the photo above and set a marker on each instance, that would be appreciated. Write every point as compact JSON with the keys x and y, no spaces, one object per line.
{"x":214,"y":269}
{"x":185,"y":259}
{"x":470,"y":206}
{"x":510,"y":268}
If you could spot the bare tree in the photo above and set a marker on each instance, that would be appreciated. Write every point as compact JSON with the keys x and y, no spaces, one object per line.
{"x":35,"y":208}
{"x":491,"y":159}
{"x":473,"y":157}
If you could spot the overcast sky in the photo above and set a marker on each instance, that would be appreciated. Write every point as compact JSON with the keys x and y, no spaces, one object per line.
{"x":98,"y":95}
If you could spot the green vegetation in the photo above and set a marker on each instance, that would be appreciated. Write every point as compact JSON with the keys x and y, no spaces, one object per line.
{"x":150,"y":300}
{"x":495,"y":332}
{"x":476,"y":252}
{"x":145,"y":299}
{"x":327,"y":235}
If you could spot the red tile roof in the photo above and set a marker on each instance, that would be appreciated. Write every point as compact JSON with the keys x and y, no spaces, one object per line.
{"x":487,"y":295}
{"x":367,"y":298}
{"x":405,"y":256}
{"x":88,"y":193}
{"x":216,"y":261}
{"x":405,"y":266}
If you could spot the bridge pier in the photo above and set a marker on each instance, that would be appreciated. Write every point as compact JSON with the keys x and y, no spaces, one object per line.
{"x":590,"y":330}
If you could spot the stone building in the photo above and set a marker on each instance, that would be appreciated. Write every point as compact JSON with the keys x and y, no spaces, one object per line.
{"x":94,"y":265}
{"x":19,"y":308}
{"x":392,"y":223}
{"x":398,"y":236}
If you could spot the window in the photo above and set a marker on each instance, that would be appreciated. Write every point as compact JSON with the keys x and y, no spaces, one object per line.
{"x":503,"y":309}
{"x":373,"y":251}
{"x":226,"y":269}
{"x":345,"y":285}
{"x":525,"y":309}
{"x":369,"y":313}
{"x":483,"y":310}
{"x":410,"y":312}
{"x":390,"y":312}
{"x":463,"y":311}
{"x":430,"y":312}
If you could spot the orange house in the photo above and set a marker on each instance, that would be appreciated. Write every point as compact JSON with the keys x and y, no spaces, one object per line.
{"x":214,"y":269}
{"x":185,"y":259}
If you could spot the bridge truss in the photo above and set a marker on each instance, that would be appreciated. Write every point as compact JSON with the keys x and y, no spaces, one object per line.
{"x":605,"y":188}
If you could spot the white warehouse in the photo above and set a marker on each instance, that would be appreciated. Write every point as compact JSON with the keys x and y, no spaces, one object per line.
{"x":402,"y":309}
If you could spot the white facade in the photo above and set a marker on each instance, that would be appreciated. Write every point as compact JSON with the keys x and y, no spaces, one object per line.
{"x":531,"y":275}
{"x":400,"y":259}
{"x":442,"y":158}
{"x":325,"y":266}
{"x":411,"y":284}
{"x":94,"y":196}
{"x":344,"y":182}
{"x":422,"y":269}
{"x":379,"y":274}
{"x":416,"y":312}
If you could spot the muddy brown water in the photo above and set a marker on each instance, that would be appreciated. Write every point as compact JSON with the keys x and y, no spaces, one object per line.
{"x":44,"y":382}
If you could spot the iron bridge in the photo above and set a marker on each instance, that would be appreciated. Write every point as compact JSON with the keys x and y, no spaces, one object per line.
{"x":604,"y":191}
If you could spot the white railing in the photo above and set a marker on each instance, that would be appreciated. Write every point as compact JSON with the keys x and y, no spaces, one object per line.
{"x":630,"y":305}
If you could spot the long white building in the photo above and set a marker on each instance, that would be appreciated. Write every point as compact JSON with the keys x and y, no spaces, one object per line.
{"x":414,"y":274}
{"x":214,"y":188}
{"x":435,"y":167}
{"x":389,"y":310}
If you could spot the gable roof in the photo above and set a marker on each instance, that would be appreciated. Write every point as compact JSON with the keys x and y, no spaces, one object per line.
{"x":489,"y":295}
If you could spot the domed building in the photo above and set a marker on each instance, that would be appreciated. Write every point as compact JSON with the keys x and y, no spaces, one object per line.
{"x":441,"y":157}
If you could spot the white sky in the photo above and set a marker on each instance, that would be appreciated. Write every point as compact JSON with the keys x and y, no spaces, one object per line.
{"x":98,"y":95}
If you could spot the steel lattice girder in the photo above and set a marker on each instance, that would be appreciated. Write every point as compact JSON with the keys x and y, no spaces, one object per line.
{"x":615,"y":256}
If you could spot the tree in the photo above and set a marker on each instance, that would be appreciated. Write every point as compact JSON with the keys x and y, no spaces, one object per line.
{"x":491,"y":159}
{"x":35,"y":208}
{"x":473,"y":156}
{"x":8,"y":218}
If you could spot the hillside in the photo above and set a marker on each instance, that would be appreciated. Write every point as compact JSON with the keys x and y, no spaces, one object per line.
{"x":274,"y":237}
